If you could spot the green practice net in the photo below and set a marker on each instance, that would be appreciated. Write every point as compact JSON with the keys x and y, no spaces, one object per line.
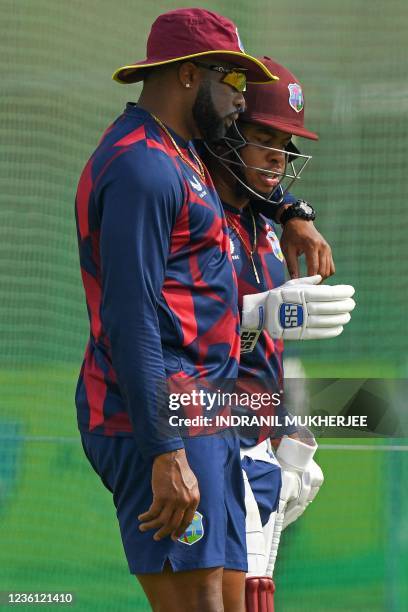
{"x":57,"y":98}
{"x":57,"y":525}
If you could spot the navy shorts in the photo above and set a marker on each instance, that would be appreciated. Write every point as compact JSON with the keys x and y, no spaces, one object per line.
{"x":216,"y":537}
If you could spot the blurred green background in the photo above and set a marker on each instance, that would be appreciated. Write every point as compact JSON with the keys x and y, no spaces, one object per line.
{"x":57,"y":525}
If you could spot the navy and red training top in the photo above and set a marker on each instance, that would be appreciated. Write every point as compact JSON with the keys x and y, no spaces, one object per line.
{"x":159,"y":282}
{"x":260,"y":370}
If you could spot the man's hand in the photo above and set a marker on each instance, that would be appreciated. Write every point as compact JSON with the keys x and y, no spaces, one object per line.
{"x":301,"y":309}
{"x":175,"y":496}
{"x":301,"y":237}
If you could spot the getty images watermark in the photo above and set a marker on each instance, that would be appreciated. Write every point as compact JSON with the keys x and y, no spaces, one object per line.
{"x":248,"y":404}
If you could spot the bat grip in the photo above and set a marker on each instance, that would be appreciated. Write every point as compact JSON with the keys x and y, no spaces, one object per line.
{"x":275,"y":543}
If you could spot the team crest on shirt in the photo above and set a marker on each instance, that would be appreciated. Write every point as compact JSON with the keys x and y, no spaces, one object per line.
{"x":295,"y":97}
{"x":194,"y":532}
{"x":274,"y":242}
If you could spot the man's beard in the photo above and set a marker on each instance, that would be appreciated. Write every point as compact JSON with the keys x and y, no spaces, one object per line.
{"x":210,"y":124}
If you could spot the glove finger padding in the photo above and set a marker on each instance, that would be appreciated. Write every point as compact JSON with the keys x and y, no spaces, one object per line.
{"x":311,"y":481}
{"x":305,"y":280}
{"x":313,"y":333}
{"x":316,"y":480}
{"x":320,"y":293}
{"x":335,"y":307}
{"x":328,"y":320}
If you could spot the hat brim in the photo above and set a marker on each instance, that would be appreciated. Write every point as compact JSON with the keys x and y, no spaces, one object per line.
{"x":279,"y":125}
{"x":257,"y":72}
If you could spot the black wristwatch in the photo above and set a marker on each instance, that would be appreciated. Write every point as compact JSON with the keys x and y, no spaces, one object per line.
{"x":299,"y":209}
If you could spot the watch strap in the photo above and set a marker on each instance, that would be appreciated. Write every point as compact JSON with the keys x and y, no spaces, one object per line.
{"x":300,"y":209}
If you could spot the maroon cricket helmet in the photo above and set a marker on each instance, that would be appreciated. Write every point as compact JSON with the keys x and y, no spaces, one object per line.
{"x":279,"y":105}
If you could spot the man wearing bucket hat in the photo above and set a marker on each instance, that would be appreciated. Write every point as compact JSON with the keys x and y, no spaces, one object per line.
{"x":252,"y":168}
{"x":162,"y":303}
{"x":183,"y":33}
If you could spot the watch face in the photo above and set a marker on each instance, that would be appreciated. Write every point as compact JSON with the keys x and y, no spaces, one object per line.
{"x":305,"y":206}
{"x":300,"y":209}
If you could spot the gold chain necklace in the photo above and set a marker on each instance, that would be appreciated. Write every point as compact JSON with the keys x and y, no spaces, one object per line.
{"x":252,"y":251}
{"x":200,"y":170}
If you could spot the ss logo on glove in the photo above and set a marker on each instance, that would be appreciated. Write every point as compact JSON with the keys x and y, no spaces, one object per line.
{"x":249,"y":338}
{"x":291,"y":315}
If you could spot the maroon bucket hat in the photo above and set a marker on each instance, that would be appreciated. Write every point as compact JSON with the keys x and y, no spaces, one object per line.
{"x":281,"y":107}
{"x":194,"y":32}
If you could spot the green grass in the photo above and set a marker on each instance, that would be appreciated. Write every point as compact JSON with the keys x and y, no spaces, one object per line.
{"x":59,"y":530}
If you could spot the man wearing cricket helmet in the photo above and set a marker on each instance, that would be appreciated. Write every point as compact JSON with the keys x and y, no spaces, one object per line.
{"x":253,"y":167}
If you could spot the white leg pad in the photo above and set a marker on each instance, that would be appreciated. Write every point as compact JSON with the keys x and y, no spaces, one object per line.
{"x":257,"y":557}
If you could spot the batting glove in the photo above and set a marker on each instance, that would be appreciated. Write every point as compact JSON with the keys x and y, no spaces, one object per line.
{"x":301,"y":477}
{"x":301,"y":309}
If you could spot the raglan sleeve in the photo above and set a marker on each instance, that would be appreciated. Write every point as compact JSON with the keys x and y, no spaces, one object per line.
{"x":139,"y":199}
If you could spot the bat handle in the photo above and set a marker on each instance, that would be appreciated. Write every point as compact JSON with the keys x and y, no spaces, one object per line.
{"x":275,"y":543}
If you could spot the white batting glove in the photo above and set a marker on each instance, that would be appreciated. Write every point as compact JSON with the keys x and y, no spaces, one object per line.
{"x":301,"y":477}
{"x":301,"y":309}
